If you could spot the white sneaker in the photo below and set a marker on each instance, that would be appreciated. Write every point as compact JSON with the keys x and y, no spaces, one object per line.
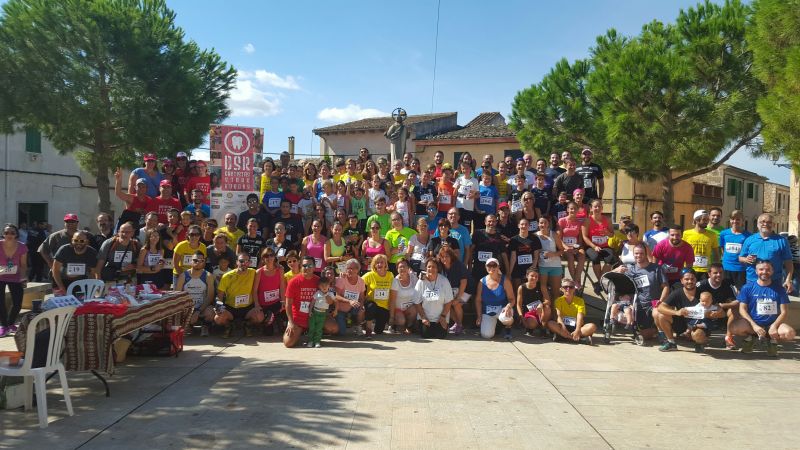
{"x":310,"y":345}
{"x":204,"y":331}
{"x":318,"y":345}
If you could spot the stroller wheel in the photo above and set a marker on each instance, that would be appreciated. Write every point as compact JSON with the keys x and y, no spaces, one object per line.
{"x":638,"y":339}
{"x":607,"y":337}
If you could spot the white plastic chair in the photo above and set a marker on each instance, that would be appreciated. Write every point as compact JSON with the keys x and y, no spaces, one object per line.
{"x":58,"y":321}
{"x":91,"y":288}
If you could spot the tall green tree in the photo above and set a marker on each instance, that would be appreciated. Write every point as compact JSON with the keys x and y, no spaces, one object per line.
{"x":111,"y":79}
{"x":674,"y":102}
{"x":774,"y":36}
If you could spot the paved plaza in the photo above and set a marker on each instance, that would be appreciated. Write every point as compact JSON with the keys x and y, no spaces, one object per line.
{"x":400,"y":392}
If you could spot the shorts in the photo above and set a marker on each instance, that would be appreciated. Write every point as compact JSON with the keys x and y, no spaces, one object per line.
{"x":273,"y":308}
{"x":708,"y":325}
{"x":737,"y":278}
{"x":239,"y":313}
{"x":605,"y":254}
{"x":679,"y":324}
{"x":551,"y":271}
{"x":570,"y":328}
{"x":466,"y":216}
{"x":533,"y":314}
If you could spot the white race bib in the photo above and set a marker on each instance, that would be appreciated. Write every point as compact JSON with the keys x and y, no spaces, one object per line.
{"x":492,"y":310}
{"x":599,"y":240}
{"x":341,"y":267}
{"x":570,"y":241}
{"x":524,"y":259}
{"x":350,"y":295}
{"x":516,"y":206}
{"x":570,"y":321}
{"x":701,"y":261}
{"x":766,"y":307}
{"x":696,"y":312}
{"x":241,"y":300}
{"x":561,"y":214}
{"x":430,"y":294}
{"x":76,"y":269}
{"x":427,"y":198}
{"x":533,"y":226}
{"x":8,"y":270}
{"x":488,"y":201}
{"x":187,"y":260}
{"x":587,"y":183}
{"x":270,"y":296}
{"x":381,"y":294}
{"x":305,"y":307}
{"x":121,"y":256}
{"x":444,"y":198}
{"x":253,"y":261}
{"x":153,"y":259}
{"x":533,"y":305}
{"x":294,"y":209}
{"x":484,"y":256}
{"x":641,"y":281}
{"x":464,"y":190}
{"x":318,"y":263}
{"x":732,"y":247}
{"x":274,"y":202}
{"x":281,"y":252}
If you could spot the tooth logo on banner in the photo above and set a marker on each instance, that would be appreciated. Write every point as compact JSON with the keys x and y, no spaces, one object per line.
{"x":237,"y":142}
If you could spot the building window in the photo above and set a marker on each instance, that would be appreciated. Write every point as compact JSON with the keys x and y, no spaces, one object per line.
{"x":707,"y":190}
{"x":515,"y":153}
{"x":755,"y":189}
{"x":749,"y":190}
{"x":732,"y":190}
{"x":33,"y":141}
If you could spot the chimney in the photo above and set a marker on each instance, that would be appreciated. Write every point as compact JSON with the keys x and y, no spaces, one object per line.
{"x":291,"y":147}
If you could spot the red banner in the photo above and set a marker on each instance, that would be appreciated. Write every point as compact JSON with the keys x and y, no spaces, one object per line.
{"x":233,"y":149}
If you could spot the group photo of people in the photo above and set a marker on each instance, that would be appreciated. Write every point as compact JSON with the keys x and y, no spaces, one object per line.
{"x":362,"y":247}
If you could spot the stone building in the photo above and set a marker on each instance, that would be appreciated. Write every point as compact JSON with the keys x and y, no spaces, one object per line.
{"x":776,"y":202}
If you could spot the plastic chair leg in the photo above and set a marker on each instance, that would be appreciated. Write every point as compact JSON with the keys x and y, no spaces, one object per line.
{"x":28,"y":386}
{"x":41,"y":397}
{"x":62,"y":376}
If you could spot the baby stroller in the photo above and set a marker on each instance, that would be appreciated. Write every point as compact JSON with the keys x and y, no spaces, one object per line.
{"x":622,"y":292}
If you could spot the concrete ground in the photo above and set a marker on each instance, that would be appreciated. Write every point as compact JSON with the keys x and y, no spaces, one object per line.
{"x":400,"y":392}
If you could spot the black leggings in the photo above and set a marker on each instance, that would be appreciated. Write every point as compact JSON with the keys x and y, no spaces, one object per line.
{"x":432,"y":331}
{"x":380,"y":315}
{"x":7,"y":318}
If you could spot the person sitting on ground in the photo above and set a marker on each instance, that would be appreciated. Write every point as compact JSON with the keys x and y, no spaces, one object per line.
{"x":723,"y":293}
{"x":235,"y":292}
{"x":532,"y":308}
{"x":764,"y":307}
{"x":432,"y":302}
{"x":570,"y":321}
{"x":671,"y":315}
{"x":403,"y":314}
{"x":495,"y":297}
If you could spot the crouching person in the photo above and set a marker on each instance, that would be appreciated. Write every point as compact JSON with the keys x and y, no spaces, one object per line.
{"x":570,"y":317}
{"x":235,"y":292}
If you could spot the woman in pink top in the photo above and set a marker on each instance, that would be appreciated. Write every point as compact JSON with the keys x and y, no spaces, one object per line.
{"x":596,"y":231}
{"x":582,"y":211}
{"x":569,"y":231}
{"x":314,"y":245}
{"x":350,"y":297}
{"x":374,"y":244}
{"x":13,"y":273}
{"x":269,"y":287}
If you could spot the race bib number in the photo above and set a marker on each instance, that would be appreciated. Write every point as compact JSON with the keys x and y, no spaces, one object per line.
{"x":417,"y":255}
{"x":168,"y":263}
{"x":281,"y":252}
{"x":427,"y":198}
{"x":294,"y":209}
{"x":561,"y":214}
{"x":187,"y":260}
{"x":153,"y":259}
{"x":271,"y":296}
{"x":253,"y":261}
{"x":430,"y":295}
{"x":493,"y":310}
{"x":570,"y":321}
{"x":305,"y":307}
{"x":670,"y":269}
{"x":76,"y":269}
{"x":241,"y":300}
{"x":533,"y":305}
{"x":516,"y":206}
{"x":381,"y":294}
{"x":533,"y":226}
{"x":570,"y":241}
{"x":8,"y":270}
{"x":341,"y":267}
{"x":484,"y":256}
{"x":464,"y":190}
{"x":524,"y":259}
{"x":641,"y":281}
{"x":274,"y":202}
{"x":696,"y":312}
{"x":701,"y":261}
{"x":487,"y":201}
{"x":444,"y":198}
{"x":766,"y":307}
{"x":350,"y":295}
{"x":318,"y":263}
{"x":732,"y":247}
{"x":599,"y":240}
{"x":587,"y":183}
{"x":122,"y":257}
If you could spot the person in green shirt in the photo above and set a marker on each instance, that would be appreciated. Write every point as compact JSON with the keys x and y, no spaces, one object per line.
{"x":398,"y":238}
{"x":381,"y":216}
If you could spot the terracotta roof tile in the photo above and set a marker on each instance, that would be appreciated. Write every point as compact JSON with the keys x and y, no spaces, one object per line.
{"x":379,"y":123}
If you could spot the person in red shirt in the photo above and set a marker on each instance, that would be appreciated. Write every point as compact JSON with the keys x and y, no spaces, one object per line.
{"x":202,"y":182}
{"x":299,"y":301}
{"x":438,"y":159}
{"x":673,"y":254}
{"x":445,"y":191}
{"x":164,"y":202}
{"x":182,"y":171}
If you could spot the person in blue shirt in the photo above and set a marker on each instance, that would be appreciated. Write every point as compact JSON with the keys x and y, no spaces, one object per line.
{"x":488,"y":160}
{"x":764,"y":307}
{"x":768,"y":246}
{"x":730,"y":241}
{"x":658,"y":233}
{"x":198,"y":205}
{"x":461,"y":234}
{"x":488,"y":199}
{"x":272,"y":199}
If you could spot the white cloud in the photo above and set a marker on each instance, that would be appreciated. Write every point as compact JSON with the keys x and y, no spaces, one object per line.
{"x":249,"y":48}
{"x":271,"y":79}
{"x":247,"y":100}
{"x":349,"y":113}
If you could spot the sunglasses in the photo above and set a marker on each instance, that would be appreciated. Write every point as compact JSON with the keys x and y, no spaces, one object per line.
{"x":193,"y":234}
{"x":79,"y":241}
{"x":492,"y":265}
{"x":308,"y":266}
{"x":269,"y":255}
{"x":243,"y":260}
{"x":198,"y":260}
{"x":374,"y":228}
{"x":567,"y":287}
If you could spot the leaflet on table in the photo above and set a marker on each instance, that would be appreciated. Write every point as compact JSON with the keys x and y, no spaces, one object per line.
{"x":60,"y":302}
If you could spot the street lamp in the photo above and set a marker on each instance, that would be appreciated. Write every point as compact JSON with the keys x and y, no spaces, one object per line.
{"x":775,"y":157}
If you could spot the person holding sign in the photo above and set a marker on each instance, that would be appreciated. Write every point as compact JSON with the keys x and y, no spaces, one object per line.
{"x":235,"y":291}
{"x":74,"y":261}
{"x":269,"y":288}
{"x":764,"y":307}
{"x":596,"y":230}
{"x":378,"y":282}
{"x":570,"y":321}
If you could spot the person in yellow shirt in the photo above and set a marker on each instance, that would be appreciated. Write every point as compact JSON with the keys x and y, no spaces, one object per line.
{"x":341,"y":170}
{"x":184,"y":250}
{"x":293,"y":262}
{"x":570,"y":319}
{"x":501,"y":181}
{"x":615,"y":242}
{"x":704,"y":243}
{"x":352,"y":175}
{"x":231,"y":231}
{"x":267,"y":166}
{"x":235,"y":292}
{"x":378,"y":282}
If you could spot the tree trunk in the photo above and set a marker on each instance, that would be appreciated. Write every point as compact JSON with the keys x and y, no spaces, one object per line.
{"x":668,"y":206}
{"x":103,"y":186}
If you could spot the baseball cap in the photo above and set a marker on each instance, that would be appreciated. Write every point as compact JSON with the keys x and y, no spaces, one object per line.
{"x":201,"y":164}
{"x":447,"y":166}
{"x":502,"y":205}
{"x":165,"y":183}
{"x":149,"y":157}
{"x":181,"y":155}
{"x":167,"y":162}
{"x":69,"y":217}
{"x":567,"y":282}
{"x":141,"y":181}
{"x":587,"y":150}
{"x":699,"y":213}
{"x":492,"y":260}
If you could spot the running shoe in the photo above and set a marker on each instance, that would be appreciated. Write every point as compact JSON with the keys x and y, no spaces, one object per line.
{"x":668,"y":347}
{"x":699,"y":348}
{"x":772,"y":349}
{"x":662,"y":337}
{"x":730,"y":344}
{"x":459,"y":329}
{"x":586,"y":340}
{"x":747,"y":346}
{"x":453,"y":328}
{"x":204,"y":331}
{"x":598,"y":288}
{"x":310,"y":344}
{"x":507,"y":334}
{"x":318,"y":345}
{"x":3,"y":331}
{"x":248,"y":331}
{"x":228,"y":330}
{"x":12,"y":329}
